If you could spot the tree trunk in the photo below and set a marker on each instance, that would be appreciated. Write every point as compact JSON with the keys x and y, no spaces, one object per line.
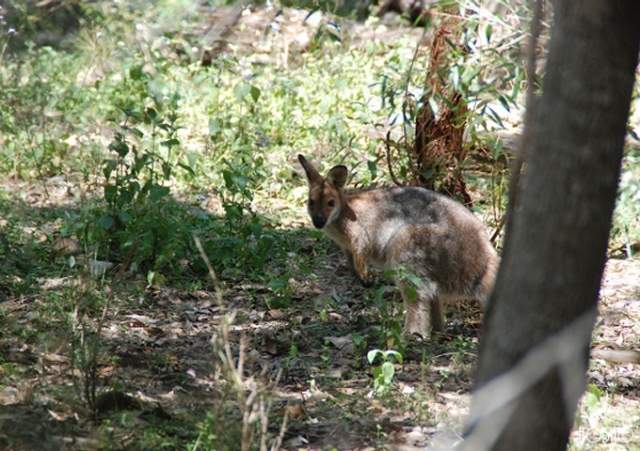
{"x":534,"y":355}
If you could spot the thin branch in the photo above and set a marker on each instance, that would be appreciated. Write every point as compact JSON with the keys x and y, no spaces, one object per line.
{"x":530,"y":112}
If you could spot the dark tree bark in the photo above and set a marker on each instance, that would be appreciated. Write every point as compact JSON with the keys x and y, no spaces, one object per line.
{"x":538,"y":325}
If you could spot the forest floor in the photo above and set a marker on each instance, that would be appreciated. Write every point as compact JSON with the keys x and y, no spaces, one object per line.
{"x":156,"y":360}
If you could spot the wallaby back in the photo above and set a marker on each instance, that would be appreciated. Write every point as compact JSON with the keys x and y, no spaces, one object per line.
{"x":438,"y":239}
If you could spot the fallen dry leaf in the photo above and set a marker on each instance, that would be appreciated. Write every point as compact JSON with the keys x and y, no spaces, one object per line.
{"x":277,"y":314}
{"x":344,"y":343}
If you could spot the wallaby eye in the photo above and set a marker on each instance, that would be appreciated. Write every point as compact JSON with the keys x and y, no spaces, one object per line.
{"x":331,"y":203}
{"x":311,"y":202}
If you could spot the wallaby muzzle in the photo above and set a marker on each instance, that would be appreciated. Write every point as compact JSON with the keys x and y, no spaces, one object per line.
{"x":319,"y":221}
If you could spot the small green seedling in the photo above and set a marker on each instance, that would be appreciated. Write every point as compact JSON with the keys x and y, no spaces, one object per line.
{"x":383,"y":373}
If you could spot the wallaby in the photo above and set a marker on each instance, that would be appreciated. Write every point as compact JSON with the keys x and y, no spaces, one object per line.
{"x":437,"y":239}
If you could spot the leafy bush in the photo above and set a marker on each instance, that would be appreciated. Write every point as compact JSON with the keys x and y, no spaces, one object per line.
{"x":141,"y":225}
{"x":449,"y":107}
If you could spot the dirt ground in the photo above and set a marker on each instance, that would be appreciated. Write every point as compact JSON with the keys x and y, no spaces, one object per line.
{"x":158,"y":352}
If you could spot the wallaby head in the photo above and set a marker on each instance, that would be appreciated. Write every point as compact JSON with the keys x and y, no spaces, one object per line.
{"x":326,"y":196}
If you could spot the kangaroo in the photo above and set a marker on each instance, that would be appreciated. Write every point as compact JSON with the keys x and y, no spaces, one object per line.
{"x":436,"y":238}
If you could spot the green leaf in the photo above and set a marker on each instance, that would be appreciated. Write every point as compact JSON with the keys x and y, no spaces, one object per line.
{"x":373,"y":169}
{"x":455,"y":77}
{"x":158,"y":192}
{"x":139,"y":162}
{"x":388,"y":370}
{"x":255,"y":93}
{"x":277,"y":284}
{"x":395,"y":354}
{"x":192,"y":159}
{"x":242,"y":90}
{"x":495,"y":116}
{"x":126,"y":195}
{"x":120,"y":147}
{"x":469,"y":74}
{"x":145,"y":188}
{"x":135,"y":72}
{"x":334,"y":37}
{"x":357,"y":338}
{"x":256,"y":229}
{"x":233,"y":212}
{"x":153,"y":114}
{"x":187,"y":168}
{"x":592,"y":388}
{"x":371,"y":355}
{"x":591,"y":401}
{"x":311,"y":13}
{"x":214,"y":126}
{"x":381,"y":291}
{"x":488,"y":32}
{"x":241,"y":182}
{"x":124,"y":216}
{"x":106,"y":222}
{"x":324,"y":316}
{"x":412,"y":293}
{"x":134,"y":187}
{"x":170,"y":142}
{"x":390,"y":273}
{"x":503,"y":101}
{"x":166,"y":170}
{"x":266,"y":242}
{"x":413,"y":278}
{"x":228,"y":182}
{"x":434,"y":105}
{"x":110,"y":192}
{"x":109,"y":167}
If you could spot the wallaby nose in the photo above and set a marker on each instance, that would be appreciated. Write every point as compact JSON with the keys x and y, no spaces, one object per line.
{"x":319,"y":221}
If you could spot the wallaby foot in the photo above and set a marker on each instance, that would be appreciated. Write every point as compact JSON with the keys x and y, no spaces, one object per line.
{"x":417,"y":319}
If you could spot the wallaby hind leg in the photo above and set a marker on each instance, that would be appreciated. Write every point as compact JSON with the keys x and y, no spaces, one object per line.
{"x":485,"y":288}
{"x":437,"y":315}
{"x":423,"y":313}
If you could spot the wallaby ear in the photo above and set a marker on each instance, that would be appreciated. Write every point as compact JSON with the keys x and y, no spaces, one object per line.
{"x":309,"y":169}
{"x":338,"y":176}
